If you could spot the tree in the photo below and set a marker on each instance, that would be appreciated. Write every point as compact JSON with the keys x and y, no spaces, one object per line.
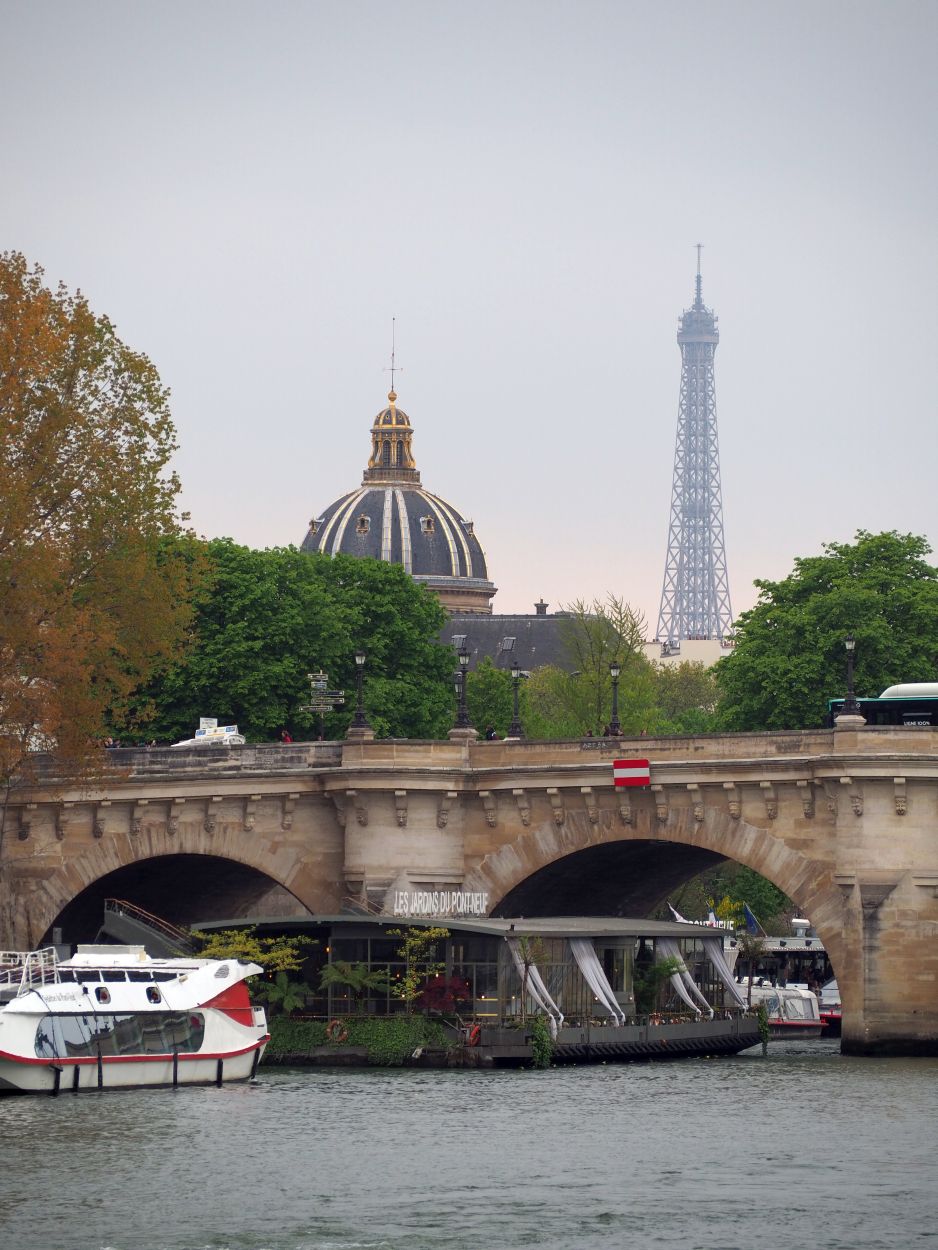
{"x":596,"y":634}
{"x":530,"y":953}
{"x":686,"y":696}
{"x":751,"y":947}
{"x":489,"y":697}
{"x":274,"y":954}
{"x":95,"y":593}
{"x":648,"y":980}
{"x":789,"y":655}
{"x":358,"y":978}
{"x":282,"y":995}
{"x":268,"y":618}
{"x":418,"y":950}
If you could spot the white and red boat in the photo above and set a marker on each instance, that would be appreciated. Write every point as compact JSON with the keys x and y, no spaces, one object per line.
{"x":112,"y":1017}
{"x":792,"y":1011}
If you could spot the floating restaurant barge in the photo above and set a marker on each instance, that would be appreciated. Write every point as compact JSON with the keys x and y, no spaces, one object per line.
{"x":605,"y":988}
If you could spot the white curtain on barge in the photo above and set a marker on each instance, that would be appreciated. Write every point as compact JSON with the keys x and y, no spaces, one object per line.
{"x":713,"y":949}
{"x":595,"y":975}
{"x":682,"y":981}
{"x":534,"y":985}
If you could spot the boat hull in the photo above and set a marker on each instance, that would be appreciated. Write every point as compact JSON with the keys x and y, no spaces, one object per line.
{"x":504,"y":1047}
{"x":789,"y":1029}
{"x":25,"y":1076}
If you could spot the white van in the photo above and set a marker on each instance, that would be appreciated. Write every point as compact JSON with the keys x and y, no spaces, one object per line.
{"x":219,"y":736}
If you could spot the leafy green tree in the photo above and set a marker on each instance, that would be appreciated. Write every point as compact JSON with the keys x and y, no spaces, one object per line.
{"x":282,"y":995}
{"x":358,"y":978}
{"x":270,"y":617}
{"x":489,"y":697}
{"x":418,"y":951}
{"x":596,"y":634}
{"x":648,"y":981}
{"x":789,"y":656}
{"x":686,"y":696}
{"x":274,"y":954}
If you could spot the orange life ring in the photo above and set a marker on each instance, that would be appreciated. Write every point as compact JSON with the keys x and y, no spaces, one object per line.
{"x":336,"y":1031}
{"x":475,"y":1034}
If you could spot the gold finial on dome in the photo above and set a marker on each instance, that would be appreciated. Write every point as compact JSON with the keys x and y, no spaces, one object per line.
{"x":392,"y":396}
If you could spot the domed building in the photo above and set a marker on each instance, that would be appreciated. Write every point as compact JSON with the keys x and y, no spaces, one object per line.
{"x":391,"y":517}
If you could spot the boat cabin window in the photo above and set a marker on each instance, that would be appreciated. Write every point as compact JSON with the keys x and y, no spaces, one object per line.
{"x":164,"y":976}
{"x":113,"y":974}
{"x":102,"y":994}
{"x":153,"y":994}
{"x":138,"y":974}
{"x":148,"y":1033}
{"x":84,"y":976}
{"x":66,"y":975}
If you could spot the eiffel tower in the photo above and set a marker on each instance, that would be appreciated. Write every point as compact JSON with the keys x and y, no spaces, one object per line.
{"x":695,"y":597}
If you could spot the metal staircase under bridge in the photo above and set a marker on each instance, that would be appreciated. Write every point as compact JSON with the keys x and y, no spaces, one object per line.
{"x":132,"y":926}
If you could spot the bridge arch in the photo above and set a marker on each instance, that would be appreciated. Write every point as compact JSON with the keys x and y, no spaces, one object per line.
{"x":220,"y":882}
{"x":631,"y":868}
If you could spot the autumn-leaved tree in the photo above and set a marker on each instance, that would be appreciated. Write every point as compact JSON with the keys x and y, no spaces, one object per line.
{"x":94,"y":592}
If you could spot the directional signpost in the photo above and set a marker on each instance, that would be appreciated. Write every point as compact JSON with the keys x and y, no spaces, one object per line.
{"x":322,"y":699}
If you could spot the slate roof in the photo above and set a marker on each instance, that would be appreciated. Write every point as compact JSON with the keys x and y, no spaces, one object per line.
{"x":533,"y":640}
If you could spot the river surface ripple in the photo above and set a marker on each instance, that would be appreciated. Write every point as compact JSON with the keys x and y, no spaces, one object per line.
{"x":804,"y":1148}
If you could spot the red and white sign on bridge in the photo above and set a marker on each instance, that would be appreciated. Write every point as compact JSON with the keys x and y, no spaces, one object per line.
{"x":631,"y":772}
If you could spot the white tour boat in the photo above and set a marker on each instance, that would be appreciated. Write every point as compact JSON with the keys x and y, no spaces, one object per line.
{"x":112,"y":1017}
{"x":792,"y":1011}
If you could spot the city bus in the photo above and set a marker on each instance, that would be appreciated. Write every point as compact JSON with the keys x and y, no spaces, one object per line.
{"x":912,"y":703}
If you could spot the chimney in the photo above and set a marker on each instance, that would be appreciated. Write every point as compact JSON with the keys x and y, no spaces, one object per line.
{"x":540,"y":608}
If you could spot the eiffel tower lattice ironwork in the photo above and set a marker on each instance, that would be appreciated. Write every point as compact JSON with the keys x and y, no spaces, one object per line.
{"x":695,"y":597}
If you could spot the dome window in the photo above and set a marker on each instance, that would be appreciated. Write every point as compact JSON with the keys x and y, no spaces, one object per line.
{"x":363,"y":524}
{"x":428,"y":525}
{"x":315,"y":527}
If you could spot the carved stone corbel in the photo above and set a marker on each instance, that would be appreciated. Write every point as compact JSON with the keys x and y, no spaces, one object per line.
{"x":770,"y":798}
{"x":556,"y":802}
{"x":137,"y":814}
{"x":856,"y":797}
{"x":361,"y":812}
{"x":589,"y":798}
{"x":696,"y":798}
{"x":491,"y":811}
{"x":626,"y":815}
{"x":898,"y":785}
{"x":175,"y":811}
{"x":845,"y":881}
{"x":63,"y":815}
{"x":212,"y":805}
{"x":400,"y":807}
{"x":661,"y":804}
{"x":442,"y":812}
{"x":287,"y":808}
{"x":25,"y":820}
{"x":926,"y":881}
{"x":732,"y":795}
{"x":250,"y":812}
{"x":806,"y":794}
{"x":99,"y":817}
{"x":524,"y":807}
{"x":830,"y":793}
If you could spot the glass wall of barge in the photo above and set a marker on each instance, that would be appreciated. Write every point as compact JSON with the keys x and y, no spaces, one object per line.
{"x":480,"y":981}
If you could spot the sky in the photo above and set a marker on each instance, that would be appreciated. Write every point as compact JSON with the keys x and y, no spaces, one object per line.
{"x":251,"y":192}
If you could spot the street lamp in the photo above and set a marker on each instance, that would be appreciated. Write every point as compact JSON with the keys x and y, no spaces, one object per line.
{"x":515,"y":729}
{"x":359,"y":720}
{"x":614,"y":670}
{"x":462,"y":712}
{"x":851,"y":707}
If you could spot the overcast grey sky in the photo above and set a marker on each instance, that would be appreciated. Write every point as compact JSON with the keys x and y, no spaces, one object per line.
{"x":251,"y":192}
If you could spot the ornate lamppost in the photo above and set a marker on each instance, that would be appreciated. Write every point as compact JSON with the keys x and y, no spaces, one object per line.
{"x":851,"y":707}
{"x":462,"y":711}
{"x":515,"y":729}
{"x":614,"y":727}
{"x":359,"y":720}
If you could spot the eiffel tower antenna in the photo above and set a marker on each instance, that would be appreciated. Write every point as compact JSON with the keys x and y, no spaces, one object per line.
{"x":695,"y":596}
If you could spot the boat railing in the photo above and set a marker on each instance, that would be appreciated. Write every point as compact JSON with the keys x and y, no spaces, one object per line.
{"x":22,"y":970}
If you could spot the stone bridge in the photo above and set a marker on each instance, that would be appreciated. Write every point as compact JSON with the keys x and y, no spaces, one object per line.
{"x":844,"y":821}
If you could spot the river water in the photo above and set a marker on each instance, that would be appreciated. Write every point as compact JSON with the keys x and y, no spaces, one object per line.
{"x":803,"y":1148}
